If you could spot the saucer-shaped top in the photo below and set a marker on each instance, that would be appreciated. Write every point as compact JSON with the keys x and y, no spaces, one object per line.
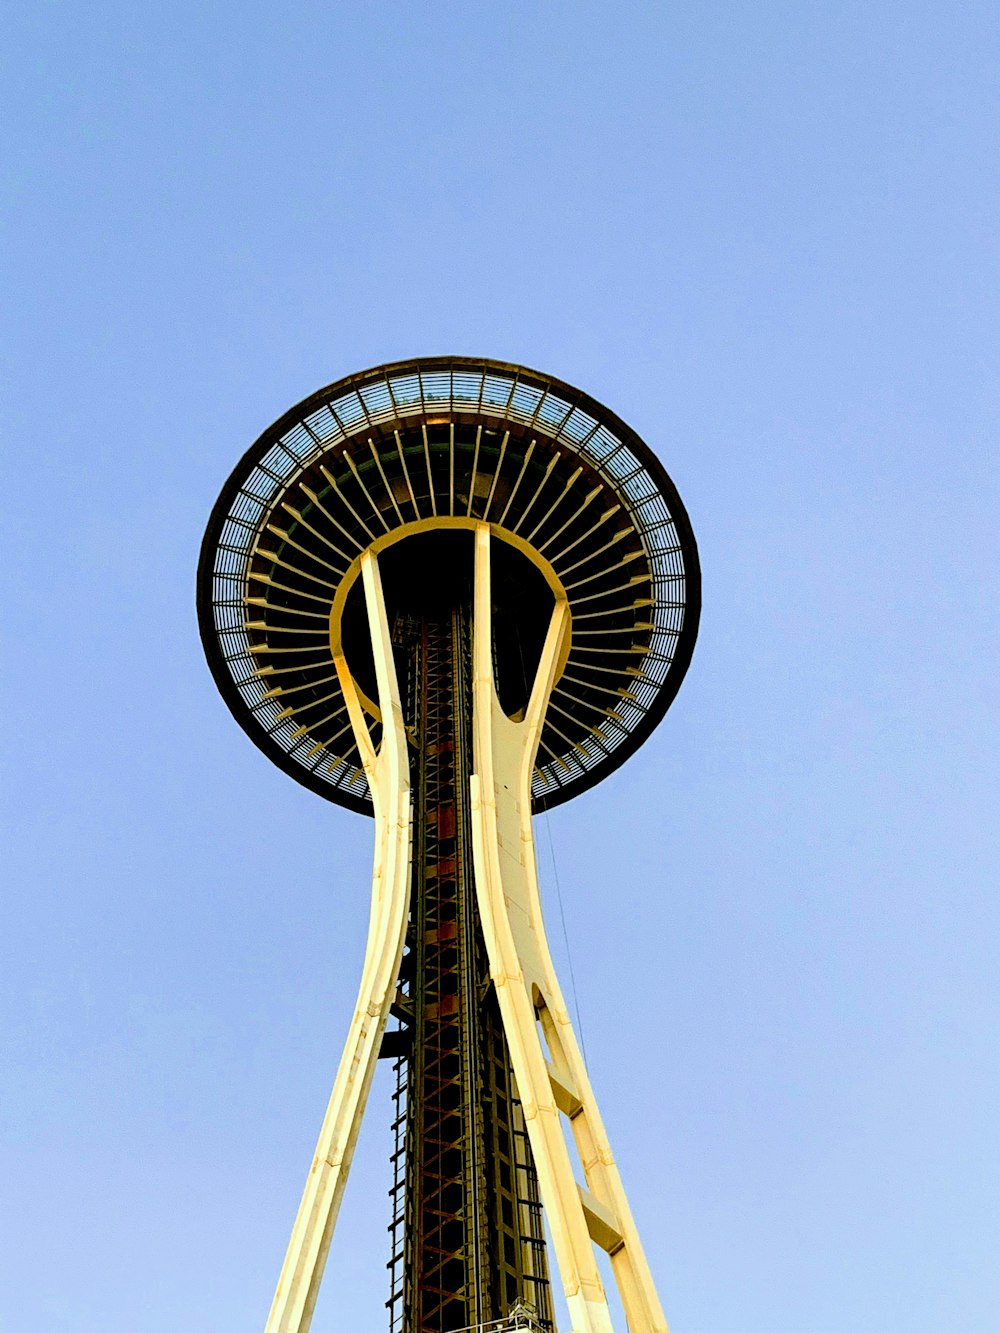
{"x":457,"y":439}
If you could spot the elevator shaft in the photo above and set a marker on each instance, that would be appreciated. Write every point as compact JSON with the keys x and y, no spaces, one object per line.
{"x":471,"y":1243}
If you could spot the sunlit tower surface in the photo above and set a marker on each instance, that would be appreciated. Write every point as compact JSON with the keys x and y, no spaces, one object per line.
{"x":445,"y":593}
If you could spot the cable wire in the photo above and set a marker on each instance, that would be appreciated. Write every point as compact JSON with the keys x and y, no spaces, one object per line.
{"x":565,"y":933}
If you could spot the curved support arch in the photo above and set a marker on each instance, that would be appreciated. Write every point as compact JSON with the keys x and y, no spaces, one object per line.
{"x":529,"y":994}
{"x":388,"y":779}
{"x":442,"y":524}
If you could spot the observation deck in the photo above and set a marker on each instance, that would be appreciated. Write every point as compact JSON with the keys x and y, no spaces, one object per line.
{"x":406,"y":459}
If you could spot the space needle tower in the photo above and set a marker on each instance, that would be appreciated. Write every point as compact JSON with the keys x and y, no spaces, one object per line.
{"x":446,"y":593}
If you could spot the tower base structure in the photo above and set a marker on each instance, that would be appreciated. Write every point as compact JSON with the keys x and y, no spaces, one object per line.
{"x":583,"y":1200}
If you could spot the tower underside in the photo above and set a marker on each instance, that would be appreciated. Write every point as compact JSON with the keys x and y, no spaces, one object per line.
{"x":446,"y":593}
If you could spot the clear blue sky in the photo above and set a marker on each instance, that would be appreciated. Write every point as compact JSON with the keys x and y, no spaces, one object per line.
{"x":766,"y":235}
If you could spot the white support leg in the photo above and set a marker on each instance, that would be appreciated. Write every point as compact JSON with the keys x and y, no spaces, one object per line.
{"x":388,"y":779}
{"x":528,"y":992}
